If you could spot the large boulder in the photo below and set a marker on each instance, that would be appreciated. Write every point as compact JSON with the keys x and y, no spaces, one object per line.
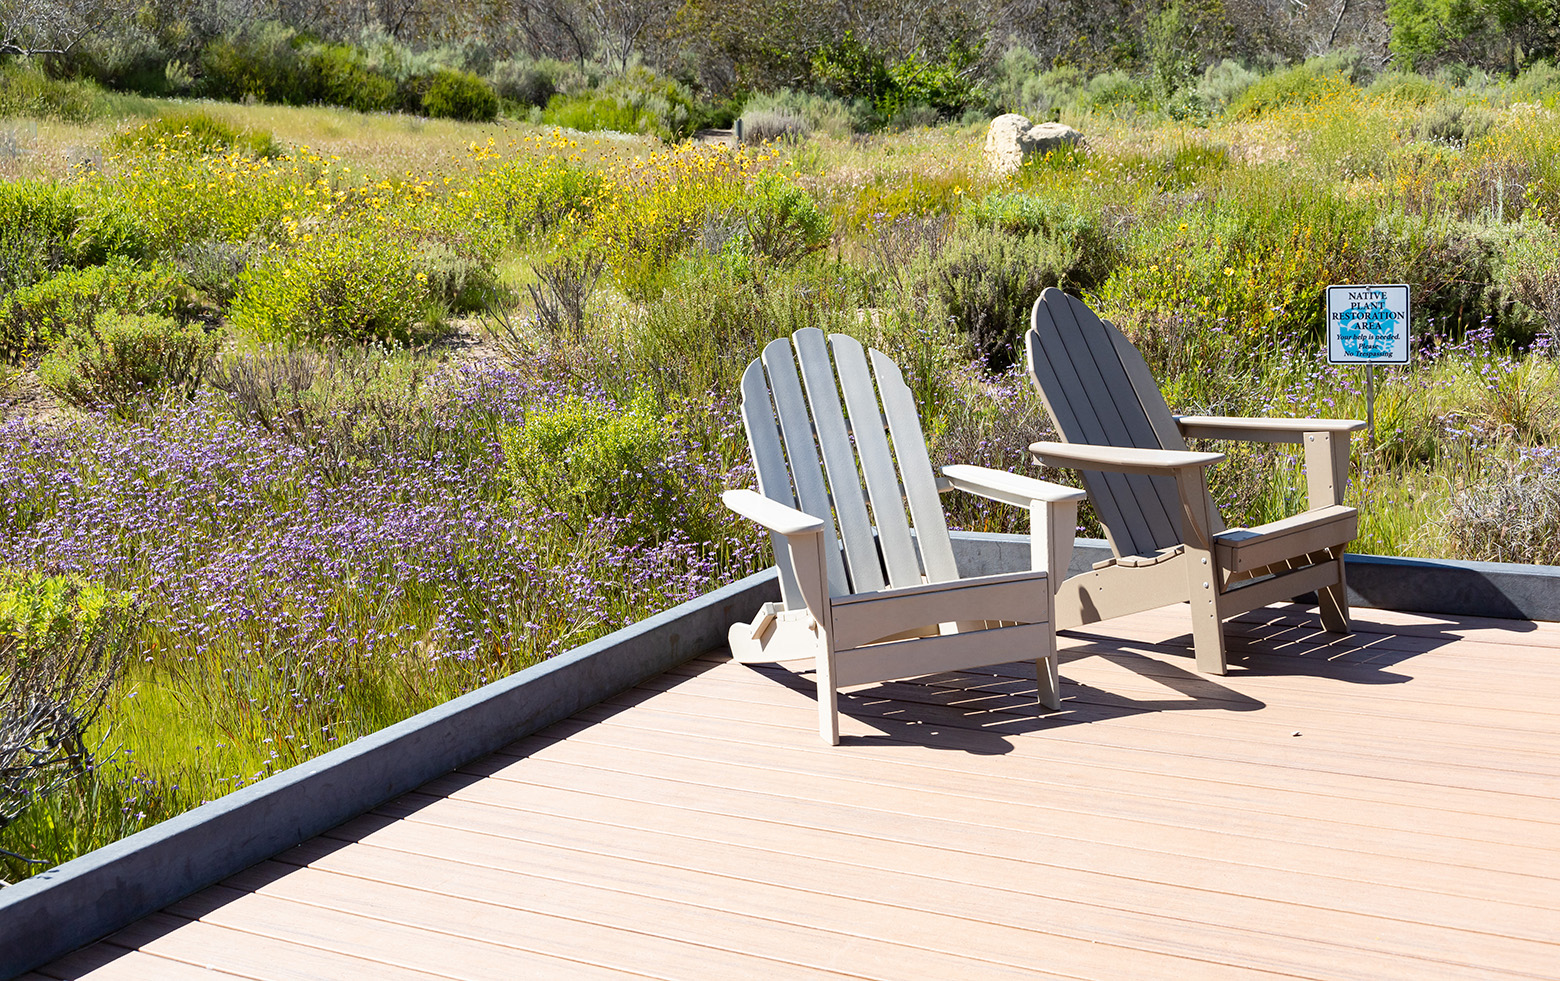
{"x":1013,"y":138}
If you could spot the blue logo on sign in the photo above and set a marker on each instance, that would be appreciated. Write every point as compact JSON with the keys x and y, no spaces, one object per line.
{"x":1369,"y":333}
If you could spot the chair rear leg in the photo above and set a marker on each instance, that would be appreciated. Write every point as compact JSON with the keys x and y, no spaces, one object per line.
{"x":1049,"y":681}
{"x":1334,"y":602}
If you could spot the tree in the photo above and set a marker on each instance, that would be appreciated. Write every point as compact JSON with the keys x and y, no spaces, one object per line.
{"x":1491,"y":34}
{"x":52,"y":27}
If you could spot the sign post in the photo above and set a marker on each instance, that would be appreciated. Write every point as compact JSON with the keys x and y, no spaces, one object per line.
{"x":1368,"y":325}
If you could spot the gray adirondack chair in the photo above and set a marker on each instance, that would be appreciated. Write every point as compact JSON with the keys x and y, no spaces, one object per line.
{"x":1169,"y":542}
{"x":870,"y":589}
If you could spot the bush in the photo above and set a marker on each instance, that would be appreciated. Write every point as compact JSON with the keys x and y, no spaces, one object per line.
{"x":462,"y":96}
{"x":34,"y":318}
{"x":1530,"y":273}
{"x":341,"y":76}
{"x":195,"y":133}
{"x":25,"y":90}
{"x":110,"y":229}
{"x":259,"y":61}
{"x":821,"y":113}
{"x":1019,"y":214}
{"x":779,"y":221}
{"x":1116,"y":92}
{"x":37,"y":219}
{"x":987,"y":281}
{"x":1512,"y":516}
{"x":62,"y":642}
{"x":1301,"y":85}
{"x":531,"y":83}
{"x":637,"y":102}
{"x":345,"y":287}
{"x":583,"y":458}
{"x":770,"y":125}
{"x":120,"y":360}
{"x":1454,"y":124}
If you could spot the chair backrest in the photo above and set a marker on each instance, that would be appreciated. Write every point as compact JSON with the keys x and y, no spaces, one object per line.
{"x":1098,"y":390}
{"x":829,"y":442}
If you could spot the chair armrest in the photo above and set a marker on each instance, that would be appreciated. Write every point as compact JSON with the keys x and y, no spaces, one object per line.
{"x":1260,"y":429}
{"x":1008,"y":488}
{"x":1119,"y":459}
{"x":778,"y":518}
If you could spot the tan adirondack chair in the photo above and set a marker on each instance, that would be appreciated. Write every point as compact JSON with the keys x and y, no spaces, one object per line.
{"x":1151,"y":493}
{"x":869,"y":586}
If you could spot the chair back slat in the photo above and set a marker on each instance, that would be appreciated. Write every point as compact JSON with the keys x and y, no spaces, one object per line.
{"x":774,"y":476}
{"x":1118,"y":404}
{"x":915,"y":470}
{"x":1153,"y":402}
{"x":801,"y":450}
{"x":862,"y":562}
{"x":1092,"y":399}
{"x":877,"y":462}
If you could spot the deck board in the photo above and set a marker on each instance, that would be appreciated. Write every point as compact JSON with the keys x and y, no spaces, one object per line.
{"x":1384,"y":805}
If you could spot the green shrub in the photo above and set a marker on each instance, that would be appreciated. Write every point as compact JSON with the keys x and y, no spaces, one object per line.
{"x":110,"y":229}
{"x":1454,"y":123}
{"x":37,"y":219}
{"x":35,"y":317}
{"x":986,"y":281}
{"x":1530,"y":273}
{"x":345,"y":287}
{"x":62,"y":642}
{"x":341,"y":76}
{"x":531,"y":83}
{"x":1406,"y":88}
{"x":1538,"y":82}
{"x":25,"y":90}
{"x":1302,"y":85}
{"x":1223,"y":83}
{"x":1117,"y":92}
{"x":1018,"y":214}
{"x":259,"y":61}
{"x":460,"y":95}
{"x":119,"y":360}
{"x":779,"y":221}
{"x":582,"y":458}
{"x":196,"y":132}
{"x":637,"y":102}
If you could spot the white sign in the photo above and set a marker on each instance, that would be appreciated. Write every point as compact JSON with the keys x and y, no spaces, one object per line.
{"x":1367,"y":324}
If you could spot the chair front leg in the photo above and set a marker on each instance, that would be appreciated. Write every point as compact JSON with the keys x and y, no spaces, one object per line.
{"x":1204,"y":581}
{"x":1053,"y":525}
{"x":812,"y":574}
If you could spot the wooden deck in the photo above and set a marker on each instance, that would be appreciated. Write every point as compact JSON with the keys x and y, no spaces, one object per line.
{"x":1380,"y":806}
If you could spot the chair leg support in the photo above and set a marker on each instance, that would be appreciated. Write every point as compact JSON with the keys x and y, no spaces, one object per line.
{"x":1334,"y":602}
{"x":1050,"y":682}
{"x":828,"y":699}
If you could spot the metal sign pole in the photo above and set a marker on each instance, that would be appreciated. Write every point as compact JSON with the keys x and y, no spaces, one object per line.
{"x":1370,"y":403}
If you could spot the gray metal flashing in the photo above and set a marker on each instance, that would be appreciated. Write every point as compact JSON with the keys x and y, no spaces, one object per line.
{"x":58,"y":911}
{"x":55,"y":912}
